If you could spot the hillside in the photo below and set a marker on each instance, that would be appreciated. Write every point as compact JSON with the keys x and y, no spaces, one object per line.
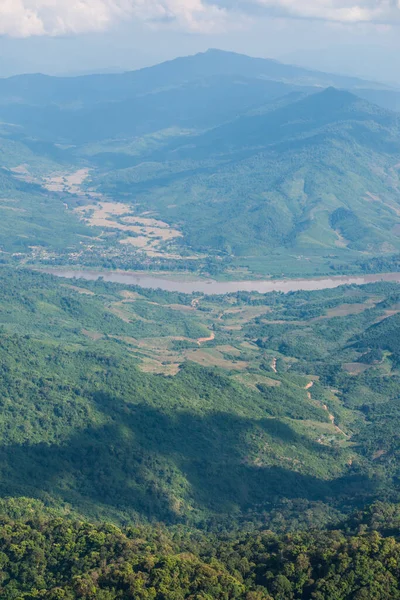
{"x":119,"y":404}
{"x":143,"y":457}
{"x":197,"y":104}
{"x":314,"y":177}
{"x":217,"y":164}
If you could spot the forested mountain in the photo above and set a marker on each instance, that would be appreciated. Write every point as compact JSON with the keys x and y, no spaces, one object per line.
{"x":119,"y":403}
{"x":164,"y":446}
{"x":227,"y":466}
{"x":196,"y":104}
{"x":314,"y":176}
{"x":254,"y":164}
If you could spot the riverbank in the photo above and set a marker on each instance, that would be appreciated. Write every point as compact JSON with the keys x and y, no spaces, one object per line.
{"x":213,"y":287}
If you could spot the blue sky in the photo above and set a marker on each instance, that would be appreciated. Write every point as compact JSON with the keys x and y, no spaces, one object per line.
{"x":76,"y":36}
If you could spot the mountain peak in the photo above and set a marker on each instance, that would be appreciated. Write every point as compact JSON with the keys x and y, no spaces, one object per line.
{"x":335,"y":96}
{"x":232,"y":54}
{"x":334,"y":100}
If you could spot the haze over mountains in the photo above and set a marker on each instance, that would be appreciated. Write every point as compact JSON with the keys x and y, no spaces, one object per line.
{"x":41,"y":88}
{"x":142,"y":101}
{"x":243,"y":156}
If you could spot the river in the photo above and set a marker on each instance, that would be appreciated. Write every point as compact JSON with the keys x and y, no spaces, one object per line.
{"x":220,"y":287}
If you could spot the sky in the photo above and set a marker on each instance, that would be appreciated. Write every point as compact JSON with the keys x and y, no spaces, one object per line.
{"x":358,"y":37}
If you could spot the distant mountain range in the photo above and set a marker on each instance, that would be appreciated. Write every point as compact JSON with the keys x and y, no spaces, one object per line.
{"x":196,"y":92}
{"x":246,"y":156}
{"x":43,"y":89}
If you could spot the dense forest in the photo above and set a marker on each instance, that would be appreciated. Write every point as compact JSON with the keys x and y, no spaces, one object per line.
{"x":54,"y":558}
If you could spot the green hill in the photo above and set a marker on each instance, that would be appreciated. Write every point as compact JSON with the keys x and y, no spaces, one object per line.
{"x":316,"y":177}
{"x":103,"y":412}
{"x":248,"y":159}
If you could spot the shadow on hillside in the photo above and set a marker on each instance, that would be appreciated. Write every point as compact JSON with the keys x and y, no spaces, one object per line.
{"x":143,"y":460}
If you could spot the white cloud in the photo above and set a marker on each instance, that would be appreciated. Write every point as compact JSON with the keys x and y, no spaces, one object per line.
{"x":24,"y":18}
{"x":341,"y":11}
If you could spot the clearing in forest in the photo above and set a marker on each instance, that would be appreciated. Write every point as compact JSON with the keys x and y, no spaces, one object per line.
{"x":144,"y":233}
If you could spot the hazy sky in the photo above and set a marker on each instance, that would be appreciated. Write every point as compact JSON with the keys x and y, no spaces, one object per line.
{"x":72,"y":36}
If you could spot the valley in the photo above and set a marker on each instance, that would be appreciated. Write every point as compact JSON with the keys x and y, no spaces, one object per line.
{"x":199,"y":334}
{"x":263,"y":378}
{"x":232,"y":194}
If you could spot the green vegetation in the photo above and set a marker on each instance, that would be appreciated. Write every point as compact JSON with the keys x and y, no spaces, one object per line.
{"x":255,"y":188}
{"x":53,"y":558}
{"x":88,"y":430}
{"x":177,"y":448}
{"x":254,"y":172}
{"x":121,"y":404}
{"x":162,"y":446}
